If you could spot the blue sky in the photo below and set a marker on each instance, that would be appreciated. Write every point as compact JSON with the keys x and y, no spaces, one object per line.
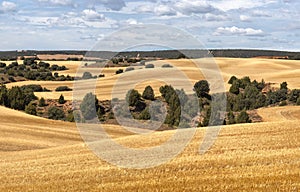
{"x":74,"y":24}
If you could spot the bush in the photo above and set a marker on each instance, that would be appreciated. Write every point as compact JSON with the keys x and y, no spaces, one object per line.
{"x":129,"y":69}
{"x":294,"y":95}
{"x":283,"y":103}
{"x":201,"y":88}
{"x":231,"y":118}
{"x":232,"y":79}
{"x":42,"y":102}
{"x":87,"y":75}
{"x":148,"y":93}
{"x":89,"y":106}
{"x":2,"y":65}
{"x":243,"y":117}
{"x":167,"y":66}
{"x":70,"y":117}
{"x":145,"y":115}
{"x":31,"y":109}
{"x":63,"y":88}
{"x":11,"y":79}
{"x":101,"y":75}
{"x":61,"y":100}
{"x":235,"y":87}
{"x":119,"y":71}
{"x":148,"y":66}
{"x":298,"y":101}
{"x":56,"y":113}
{"x":33,"y":88}
{"x":133,"y":97}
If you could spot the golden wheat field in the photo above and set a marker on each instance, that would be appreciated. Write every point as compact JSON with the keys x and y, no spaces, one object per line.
{"x":271,"y":70}
{"x":43,"y":155}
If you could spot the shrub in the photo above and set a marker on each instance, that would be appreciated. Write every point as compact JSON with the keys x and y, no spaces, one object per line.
{"x":243,"y":117}
{"x":129,"y":69}
{"x":63,"y":88}
{"x":133,"y":97}
{"x":298,"y":101}
{"x":87,"y":75}
{"x":31,"y":109}
{"x":148,"y":66}
{"x":33,"y":88}
{"x":283,"y":103}
{"x":11,"y":79}
{"x":2,"y":65}
{"x":119,"y":71}
{"x":235,"y":87}
{"x":148,"y":93}
{"x":56,"y":113}
{"x":145,"y":115}
{"x":70,"y":117}
{"x":294,"y":95}
{"x":201,"y":88}
{"x":167,"y":66}
{"x":61,"y":100}
{"x":232,"y":79}
{"x":42,"y":102}
{"x":101,"y":75}
{"x":231,"y":118}
{"x":89,"y":106}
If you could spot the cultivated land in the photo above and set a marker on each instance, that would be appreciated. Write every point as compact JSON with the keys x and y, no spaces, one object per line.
{"x":44,"y":155}
{"x":275,"y":71}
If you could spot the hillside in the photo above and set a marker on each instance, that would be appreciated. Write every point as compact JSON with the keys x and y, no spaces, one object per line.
{"x":263,"y":156}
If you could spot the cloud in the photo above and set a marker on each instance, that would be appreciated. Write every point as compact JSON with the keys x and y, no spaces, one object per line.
{"x":238,"y":31}
{"x":91,"y":15}
{"x":58,"y":2}
{"x":213,"y":17}
{"x":164,"y":10}
{"x":7,"y":6}
{"x":260,"y":13}
{"x":227,"y":5}
{"x":115,"y":5}
{"x":188,"y":7}
{"x":245,"y":18}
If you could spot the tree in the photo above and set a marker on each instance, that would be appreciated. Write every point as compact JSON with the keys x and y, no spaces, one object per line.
{"x":16,"y":98}
{"x":63,"y":88}
{"x":3,"y":96}
{"x":243,"y":117}
{"x":148,"y":93}
{"x":283,"y":86}
{"x":56,"y":113}
{"x":294,"y":95}
{"x":232,"y":79}
{"x":298,"y":101}
{"x":235,"y":88}
{"x":231,"y":118}
{"x":245,"y":81}
{"x":42,"y":102}
{"x":87,"y":75}
{"x":201,"y":88}
{"x":31,"y":109}
{"x":145,"y":115}
{"x":133,"y":97}
{"x":61,"y":100}
{"x":89,"y":106}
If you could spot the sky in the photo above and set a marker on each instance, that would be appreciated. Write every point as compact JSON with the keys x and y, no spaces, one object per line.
{"x":79,"y":25}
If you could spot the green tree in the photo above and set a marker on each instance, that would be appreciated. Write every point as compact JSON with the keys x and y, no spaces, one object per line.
{"x":3,"y":96}
{"x":145,"y":115}
{"x":87,"y":75}
{"x":31,"y":109}
{"x":148,"y":93}
{"x":243,"y":117}
{"x":231,"y":118}
{"x":133,"y":98}
{"x":202,"y":88}
{"x":61,"y":100}
{"x":56,"y":113}
{"x":89,"y":106}
{"x":232,"y":79}
{"x":42,"y":102}
{"x":235,"y":88}
{"x":298,"y":101}
{"x":16,"y":98}
{"x":294,"y":95}
{"x":284,"y":85}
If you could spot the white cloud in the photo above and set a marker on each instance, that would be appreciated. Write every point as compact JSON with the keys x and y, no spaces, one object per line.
{"x":188,"y":7}
{"x":91,"y":15}
{"x":7,"y":6}
{"x":238,"y":31}
{"x":58,"y":2}
{"x":260,"y":13}
{"x":227,"y":5}
{"x":245,"y":18}
{"x":164,"y":10}
{"x":144,"y":8}
{"x":213,"y":17}
{"x":115,"y":5}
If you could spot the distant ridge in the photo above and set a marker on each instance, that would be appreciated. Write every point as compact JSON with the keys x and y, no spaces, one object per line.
{"x":163,"y":54}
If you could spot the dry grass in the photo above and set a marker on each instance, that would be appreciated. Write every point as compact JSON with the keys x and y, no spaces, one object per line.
{"x":43,"y":155}
{"x":49,"y":156}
